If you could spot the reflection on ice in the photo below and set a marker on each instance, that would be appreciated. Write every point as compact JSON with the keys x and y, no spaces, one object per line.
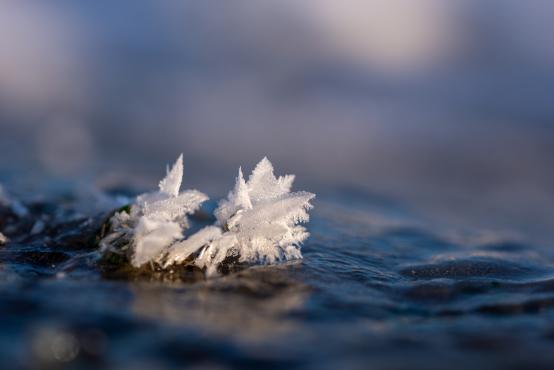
{"x":252,"y":305}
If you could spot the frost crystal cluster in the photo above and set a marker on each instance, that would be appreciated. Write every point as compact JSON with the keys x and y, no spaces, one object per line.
{"x":258,"y":223}
{"x":155,"y":221}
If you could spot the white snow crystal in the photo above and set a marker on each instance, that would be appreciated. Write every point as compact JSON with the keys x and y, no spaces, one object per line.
{"x":258,"y":223}
{"x":155,"y":221}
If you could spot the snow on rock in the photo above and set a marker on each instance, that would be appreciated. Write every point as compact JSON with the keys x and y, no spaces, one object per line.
{"x":258,"y":223}
{"x":155,"y":221}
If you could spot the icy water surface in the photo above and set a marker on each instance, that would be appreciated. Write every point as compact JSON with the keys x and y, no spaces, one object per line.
{"x":375,"y":290}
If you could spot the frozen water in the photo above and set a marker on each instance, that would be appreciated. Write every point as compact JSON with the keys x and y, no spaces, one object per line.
{"x":155,"y":221}
{"x":258,"y":223}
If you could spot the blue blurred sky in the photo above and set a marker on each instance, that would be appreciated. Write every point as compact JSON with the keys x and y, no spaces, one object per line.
{"x":447,"y":106}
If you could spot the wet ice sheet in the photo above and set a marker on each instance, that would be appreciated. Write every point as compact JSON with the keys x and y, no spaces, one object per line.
{"x":375,"y":289}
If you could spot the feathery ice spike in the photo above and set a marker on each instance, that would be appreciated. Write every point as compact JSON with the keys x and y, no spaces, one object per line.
{"x":258,"y":224}
{"x":155,"y":221}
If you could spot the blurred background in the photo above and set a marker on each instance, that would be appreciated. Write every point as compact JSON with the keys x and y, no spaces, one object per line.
{"x":445,"y":108}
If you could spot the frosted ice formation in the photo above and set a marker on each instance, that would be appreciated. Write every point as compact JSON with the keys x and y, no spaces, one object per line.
{"x":258,"y":223}
{"x":155,"y":221}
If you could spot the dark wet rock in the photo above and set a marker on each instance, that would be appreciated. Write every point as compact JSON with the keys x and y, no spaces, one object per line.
{"x":117,"y":267}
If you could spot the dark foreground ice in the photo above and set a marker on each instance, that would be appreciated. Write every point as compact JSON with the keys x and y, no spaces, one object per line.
{"x":374,"y":291}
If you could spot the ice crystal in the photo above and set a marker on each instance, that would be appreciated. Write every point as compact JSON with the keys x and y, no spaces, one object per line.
{"x":258,"y":223}
{"x":155,"y":221}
